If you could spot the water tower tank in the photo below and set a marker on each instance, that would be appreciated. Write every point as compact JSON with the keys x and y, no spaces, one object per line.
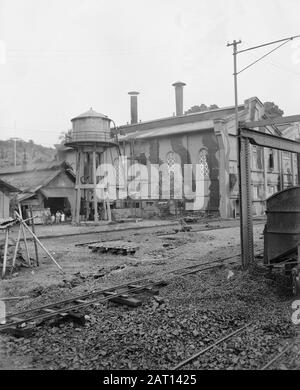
{"x":89,"y":128}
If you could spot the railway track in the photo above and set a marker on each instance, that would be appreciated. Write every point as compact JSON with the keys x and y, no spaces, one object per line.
{"x":205,"y":229}
{"x":277,"y":357}
{"x":123,"y":294}
{"x":231,"y":335}
{"x":203,"y":351}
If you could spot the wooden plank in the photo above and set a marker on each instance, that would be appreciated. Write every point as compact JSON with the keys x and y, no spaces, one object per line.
{"x":33,"y":230}
{"x":24,"y":236}
{"x":39,"y":242}
{"x":5,"y":252}
{"x":123,"y":299}
{"x":16,"y":249}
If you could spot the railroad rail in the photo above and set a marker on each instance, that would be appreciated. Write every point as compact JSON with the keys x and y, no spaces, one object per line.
{"x":123,"y":294}
{"x":204,"y":229}
{"x":278,"y":356}
{"x":225,"y":338}
{"x":203,"y":351}
{"x":118,"y":294}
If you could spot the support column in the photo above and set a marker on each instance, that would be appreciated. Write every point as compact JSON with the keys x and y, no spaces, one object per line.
{"x":281,"y":174}
{"x":292,"y":169}
{"x":95,"y":184}
{"x":224,"y":151}
{"x":78,"y":190}
{"x":245,"y":193}
{"x":265,"y":176}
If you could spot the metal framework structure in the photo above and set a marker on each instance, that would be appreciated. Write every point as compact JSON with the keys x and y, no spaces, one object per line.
{"x":248,"y":136}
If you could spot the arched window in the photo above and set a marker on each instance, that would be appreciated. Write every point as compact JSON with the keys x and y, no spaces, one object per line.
{"x":202,"y":161}
{"x":171,"y":161}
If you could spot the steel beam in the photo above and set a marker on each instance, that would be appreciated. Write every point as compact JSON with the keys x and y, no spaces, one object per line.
{"x":285,"y":120}
{"x":270,"y":141}
{"x":245,"y":194}
{"x":247,"y":137}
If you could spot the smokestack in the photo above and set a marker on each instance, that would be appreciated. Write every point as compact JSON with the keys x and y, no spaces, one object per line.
{"x":133,"y":106}
{"x":179,"y":97}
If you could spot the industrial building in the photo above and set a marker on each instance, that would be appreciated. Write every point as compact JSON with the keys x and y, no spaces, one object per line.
{"x":7,"y":192}
{"x":43,"y":186}
{"x":206,"y":138}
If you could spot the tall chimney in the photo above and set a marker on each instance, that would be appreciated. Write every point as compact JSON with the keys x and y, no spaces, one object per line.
{"x":179,"y":97}
{"x":133,"y":106}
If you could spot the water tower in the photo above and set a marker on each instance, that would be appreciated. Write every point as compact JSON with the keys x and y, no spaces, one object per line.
{"x":90,"y":137}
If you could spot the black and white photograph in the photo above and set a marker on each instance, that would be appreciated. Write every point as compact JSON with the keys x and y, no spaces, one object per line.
{"x":149,"y":189}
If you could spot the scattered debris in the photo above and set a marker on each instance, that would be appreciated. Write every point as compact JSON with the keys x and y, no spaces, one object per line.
{"x":114,"y":247}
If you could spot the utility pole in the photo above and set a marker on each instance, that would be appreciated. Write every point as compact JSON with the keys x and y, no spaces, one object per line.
{"x":15,"y":139}
{"x":245,"y":214}
{"x":236,"y":104}
{"x":235,"y":74}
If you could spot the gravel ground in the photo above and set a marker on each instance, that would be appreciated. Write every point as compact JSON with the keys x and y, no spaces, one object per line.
{"x":189,"y":314}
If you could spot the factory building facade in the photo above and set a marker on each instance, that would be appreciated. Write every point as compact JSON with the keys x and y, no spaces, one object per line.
{"x":207,"y":139}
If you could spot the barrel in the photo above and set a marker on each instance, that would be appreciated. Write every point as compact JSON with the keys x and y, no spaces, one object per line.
{"x":282,"y":230}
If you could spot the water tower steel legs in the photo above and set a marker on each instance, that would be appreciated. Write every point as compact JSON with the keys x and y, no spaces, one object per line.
{"x":78,"y":190}
{"x":95,"y":187}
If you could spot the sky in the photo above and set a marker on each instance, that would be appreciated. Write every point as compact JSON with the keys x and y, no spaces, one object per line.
{"x":58,"y":58}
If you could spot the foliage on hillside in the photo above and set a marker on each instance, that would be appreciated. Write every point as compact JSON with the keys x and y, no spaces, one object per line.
{"x":201,"y":108}
{"x":30,"y":151}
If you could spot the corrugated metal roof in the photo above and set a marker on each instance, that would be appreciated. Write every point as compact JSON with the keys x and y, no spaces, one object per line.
{"x":30,"y":181}
{"x":91,"y":114}
{"x":57,"y":192}
{"x":24,"y":196}
{"x":170,"y":130}
{"x":6,"y":187}
{"x":218,"y":113}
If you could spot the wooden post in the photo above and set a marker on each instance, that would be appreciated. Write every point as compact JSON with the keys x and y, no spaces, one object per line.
{"x":108,"y":210}
{"x":38,"y":241}
{"x":5,"y":252}
{"x":24,"y":237}
{"x":16,"y":248}
{"x":35,"y":244}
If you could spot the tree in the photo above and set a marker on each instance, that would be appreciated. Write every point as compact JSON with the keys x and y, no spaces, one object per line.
{"x":203,"y":107}
{"x":272,"y":110}
{"x":64,"y":135}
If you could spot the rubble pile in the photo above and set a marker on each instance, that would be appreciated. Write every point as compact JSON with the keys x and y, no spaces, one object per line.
{"x":190,"y":314}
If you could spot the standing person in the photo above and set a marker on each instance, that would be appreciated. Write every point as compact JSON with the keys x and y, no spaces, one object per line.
{"x":52,"y":219}
{"x":57,"y":217}
{"x":62,"y":217}
{"x":48,"y":216}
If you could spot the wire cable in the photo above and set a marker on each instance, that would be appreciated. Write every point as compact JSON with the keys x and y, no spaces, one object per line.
{"x":259,"y":59}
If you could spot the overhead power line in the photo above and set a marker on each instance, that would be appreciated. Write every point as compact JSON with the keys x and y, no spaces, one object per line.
{"x":264,"y":56}
{"x":269,"y":43}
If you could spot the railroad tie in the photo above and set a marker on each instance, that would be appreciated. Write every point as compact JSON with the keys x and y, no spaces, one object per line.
{"x":123,"y":299}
